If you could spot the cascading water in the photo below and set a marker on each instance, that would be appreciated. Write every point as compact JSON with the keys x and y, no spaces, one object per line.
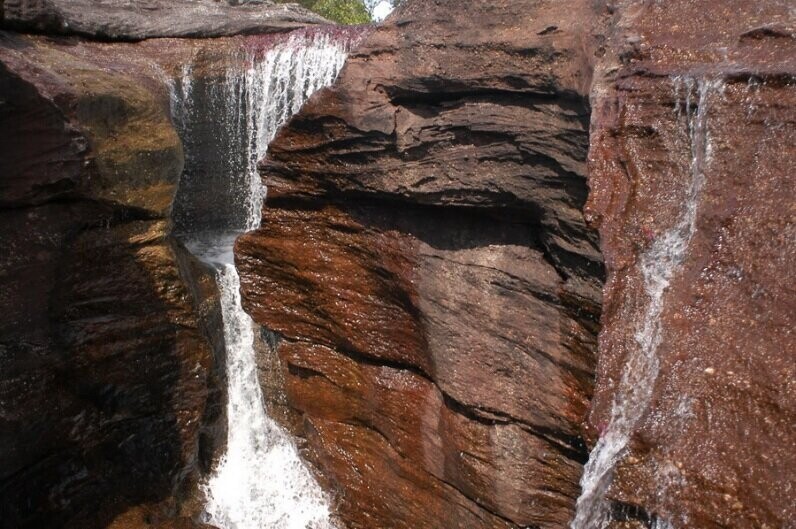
{"x":226,"y":124}
{"x":227,"y":121}
{"x":658,"y":265}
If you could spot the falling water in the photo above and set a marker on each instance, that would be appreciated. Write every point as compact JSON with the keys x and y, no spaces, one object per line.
{"x":658,"y":265}
{"x":261,"y":482}
{"x":226,"y":125}
{"x":227,"y":122}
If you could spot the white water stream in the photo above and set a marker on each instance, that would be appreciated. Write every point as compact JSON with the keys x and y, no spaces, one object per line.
{"x":658,"y":265}
{"x":261,"y":481}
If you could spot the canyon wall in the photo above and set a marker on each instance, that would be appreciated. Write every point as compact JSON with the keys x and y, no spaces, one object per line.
{"x":426,"y":270}
{"x":692,"y":188}
{"x":111,"y":365}
{"x":433,"y":289}
{"x":428,"y":276}
{"x":105,"y":374}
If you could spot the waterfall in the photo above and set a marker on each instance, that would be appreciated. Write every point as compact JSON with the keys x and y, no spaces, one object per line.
{"x":380,"y":9}
{"x":658,"y":265}
{"x":261,"y":482}
{"x":226,"y":121}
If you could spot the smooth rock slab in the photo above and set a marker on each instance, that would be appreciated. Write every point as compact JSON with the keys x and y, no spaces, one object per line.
{"x":137,"y":20}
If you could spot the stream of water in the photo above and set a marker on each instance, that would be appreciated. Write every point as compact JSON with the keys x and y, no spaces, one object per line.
{"x":659,"y":263}
{"x":226,"y":123}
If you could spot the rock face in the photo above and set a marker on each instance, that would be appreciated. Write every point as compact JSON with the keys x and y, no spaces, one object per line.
{"x":111,"y":342}
{"x":687,"y":94}
{"x":126,"y":20}
{"x":425,"y":276}
{"x":110,"y":392}
{"x":425,"y":263}
{"x":427,"y":269}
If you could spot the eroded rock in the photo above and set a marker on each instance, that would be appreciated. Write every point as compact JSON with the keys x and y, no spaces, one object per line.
{"x":107,"y":382}
{"x":425,"y":261}
{"x":687,"y":93}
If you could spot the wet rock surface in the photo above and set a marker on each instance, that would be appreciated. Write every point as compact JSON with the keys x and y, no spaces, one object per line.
{"x":684,"y":91}
{"x":126,"y":20}
{"x":424,"y":260}
{"x":113,"y":374}
{"x":425,"y":264}
{"x":425,"y":276}
{"x":109,"y":389}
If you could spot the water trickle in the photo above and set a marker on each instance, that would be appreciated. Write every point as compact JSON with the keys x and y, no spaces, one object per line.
{"x":658,"y":265}
{"x":226,"y":122}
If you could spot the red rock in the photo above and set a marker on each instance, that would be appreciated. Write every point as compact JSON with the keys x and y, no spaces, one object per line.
{"x":425,"y":266}
{"x":109,"y":389}
{"x":715,"y":447}
{"x":111,"y":351}
{"x":425,"y":261}
{"x":393,"y":244}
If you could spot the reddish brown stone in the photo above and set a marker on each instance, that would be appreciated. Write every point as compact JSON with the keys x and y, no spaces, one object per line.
{"x":107,"y":383}
{"x":425,"y":265}
{"x":403,"y":199}
{"x":716,"y":445}
{"x":112,"y":359}
{"x":424,"y":260}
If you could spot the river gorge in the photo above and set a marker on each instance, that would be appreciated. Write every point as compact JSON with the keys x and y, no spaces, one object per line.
{"x":480,"y":265}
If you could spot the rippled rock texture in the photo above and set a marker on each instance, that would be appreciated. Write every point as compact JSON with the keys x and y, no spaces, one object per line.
{"x":426,"y":267}
{"x":687,"y":90}
{"x":143,"y":19}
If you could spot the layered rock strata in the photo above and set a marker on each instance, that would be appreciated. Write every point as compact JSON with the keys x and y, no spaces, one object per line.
{"x":425,"y":277}
{"x":426,"y":268}
{"x":423,"y":239}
